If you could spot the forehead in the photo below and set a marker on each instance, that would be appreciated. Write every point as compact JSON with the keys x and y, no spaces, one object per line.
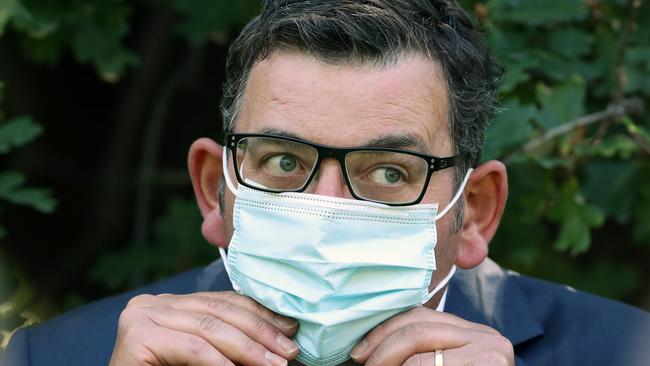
{"x":348,"y":105}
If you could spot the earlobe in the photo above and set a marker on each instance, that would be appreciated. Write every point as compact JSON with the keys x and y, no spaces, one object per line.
{"x":204,"y":163}
{"x":485,"y":200}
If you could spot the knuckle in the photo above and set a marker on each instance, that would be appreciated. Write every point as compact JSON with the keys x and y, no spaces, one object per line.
{"x":494,"y":358}
{"x":251,"y":347}
{"x":379,"y":331}
{"x":263,"y":327}
{"x":413,"y":331}
{"x":128,"y":325}
{"x":485,"y":329}
{"x":222,"y":361}
{"x":375,"y":359}
{"x":197,"y":346}
{"x":258,"y":308}
{"x":209,"y":323}
{"x":139,"y":300}
{"x":420,"y":310}
{"x":128,"y":316}
{"x":415,"y":360}
{"x":218,"y":306}
{"x":504,"y":344}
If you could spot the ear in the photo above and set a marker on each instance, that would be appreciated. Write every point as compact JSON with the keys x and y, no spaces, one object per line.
{"x":204,"y":163}
{"x":485,"y":200}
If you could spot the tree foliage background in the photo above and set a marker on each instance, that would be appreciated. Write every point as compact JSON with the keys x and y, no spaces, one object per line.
{"x":100,"y":100}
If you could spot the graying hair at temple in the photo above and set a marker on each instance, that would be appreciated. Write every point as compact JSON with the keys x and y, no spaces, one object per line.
{"x":376,"y":33}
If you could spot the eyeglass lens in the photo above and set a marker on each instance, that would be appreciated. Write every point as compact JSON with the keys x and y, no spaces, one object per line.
{"x":283,"y":165}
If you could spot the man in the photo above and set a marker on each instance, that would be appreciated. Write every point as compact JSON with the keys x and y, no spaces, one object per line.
{"x":346,"y":195}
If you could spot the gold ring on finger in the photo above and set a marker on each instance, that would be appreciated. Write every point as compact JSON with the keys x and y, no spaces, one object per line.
{"x":439,"y":358}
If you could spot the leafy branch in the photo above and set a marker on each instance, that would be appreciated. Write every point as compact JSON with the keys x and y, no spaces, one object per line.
{"x":622,"y":108}
{"x":619,"y":71}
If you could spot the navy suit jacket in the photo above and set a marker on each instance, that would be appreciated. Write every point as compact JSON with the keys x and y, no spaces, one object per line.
{"x":548,"y":324}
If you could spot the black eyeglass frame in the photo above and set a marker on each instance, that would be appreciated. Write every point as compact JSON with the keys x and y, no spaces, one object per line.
{"x":434,"y":163}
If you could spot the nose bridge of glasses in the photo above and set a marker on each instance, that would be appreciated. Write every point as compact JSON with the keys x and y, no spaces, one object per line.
{"x":329,"y":177}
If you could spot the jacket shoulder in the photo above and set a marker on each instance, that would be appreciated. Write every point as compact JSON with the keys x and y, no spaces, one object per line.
{"x":550,"y":323}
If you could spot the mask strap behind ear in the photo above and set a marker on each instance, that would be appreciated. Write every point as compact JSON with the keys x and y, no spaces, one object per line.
{"x":226,"y":173}
{"x":456,"y":196}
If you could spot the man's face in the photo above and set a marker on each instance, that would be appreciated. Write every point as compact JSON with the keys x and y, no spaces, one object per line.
{"x":350,"y":106}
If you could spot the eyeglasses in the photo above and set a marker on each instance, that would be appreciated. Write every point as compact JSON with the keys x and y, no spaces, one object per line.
{"x":283,"y":164}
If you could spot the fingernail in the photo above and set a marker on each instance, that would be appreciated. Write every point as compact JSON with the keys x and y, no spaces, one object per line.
{"x":285,"y":323}
{"x":275,"y":360}
{"x":286,"y":344}
{"x":359,"y":349}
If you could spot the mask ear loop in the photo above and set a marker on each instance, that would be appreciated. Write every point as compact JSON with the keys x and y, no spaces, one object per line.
{"x":231,"y":187}
{"x":440,"y":285}
{"x":226,"y":173}
{"x":442,"y":213}
{"x":456,"y":196}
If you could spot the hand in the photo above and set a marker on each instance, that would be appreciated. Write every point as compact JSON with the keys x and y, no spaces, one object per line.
{"x":207,"y":328}
{"x":411,"y":338}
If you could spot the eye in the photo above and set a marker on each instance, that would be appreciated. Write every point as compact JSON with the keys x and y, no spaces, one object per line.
{"x":386,"y":176}
{"x":282,"y":163}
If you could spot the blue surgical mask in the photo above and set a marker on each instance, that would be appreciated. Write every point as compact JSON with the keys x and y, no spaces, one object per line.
{"x":338,"y":266}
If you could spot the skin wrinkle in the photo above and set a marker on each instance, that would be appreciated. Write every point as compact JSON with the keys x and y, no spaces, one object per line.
{"x":279,"y":108}
{"x":374,"y":119}
{"x":286,"y":80}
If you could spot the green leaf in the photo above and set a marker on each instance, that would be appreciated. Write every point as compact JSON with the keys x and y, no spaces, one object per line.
{"x":10,"y":181}
{"x":8,"y":10}
{"x":18,"y":132}
{"x":38,"y":198}
{"x":570,"y":42}
{"x":561,"y":103}
{"x":604,"y":61}
{"x":510,"y":128}
{"x":211,"y":19}
{"x":518,"y":73}
{"x":537,"y":12}
{"x":506,"y":43}
{"x":98,"y":35}
{"x":607,"y":184}
{"x":522,"y":237}
{"x":637,"y":130}
{"x":576,"y":218}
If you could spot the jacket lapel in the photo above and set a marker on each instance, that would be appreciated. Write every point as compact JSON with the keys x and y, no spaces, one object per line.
{"x":490,"y":295}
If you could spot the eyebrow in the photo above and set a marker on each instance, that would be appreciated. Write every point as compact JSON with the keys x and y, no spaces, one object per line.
{"x":399,"y":141}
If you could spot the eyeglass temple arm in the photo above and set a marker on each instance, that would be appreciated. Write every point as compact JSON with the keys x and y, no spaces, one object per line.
{"x":444,"y":163}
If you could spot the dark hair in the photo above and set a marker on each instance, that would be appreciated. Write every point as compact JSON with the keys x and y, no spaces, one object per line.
{"x":376,"y":32}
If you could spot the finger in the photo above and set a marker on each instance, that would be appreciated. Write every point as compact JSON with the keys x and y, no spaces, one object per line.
{"x":230,"y":341}
{"x":178,"y":348}
{"x":419,"y":359}
{"x":253,"y":325}
{"x":420,"y":338}
{"x":460,"y":356}
{"x":286,"y":325}
{"x":149,"y":344}
{"x":417,"y":314}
